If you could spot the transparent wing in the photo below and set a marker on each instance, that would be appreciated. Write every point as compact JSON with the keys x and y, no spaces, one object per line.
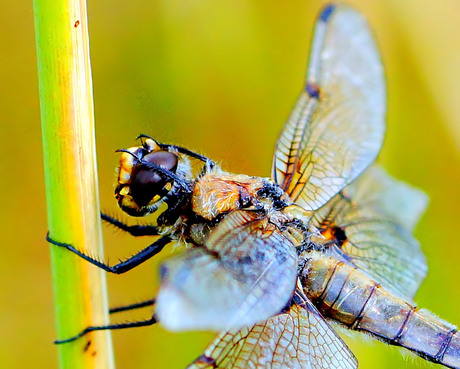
{"x":244,"y":274}
{"x":336,"y":128}
{"x":370,"y":224}
{"x":298,"y":338}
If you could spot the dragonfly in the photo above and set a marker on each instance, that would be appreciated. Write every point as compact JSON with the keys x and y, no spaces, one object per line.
{"x":270,"y":262}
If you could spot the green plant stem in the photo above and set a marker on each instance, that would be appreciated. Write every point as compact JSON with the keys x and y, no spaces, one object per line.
{"x":71,"y":180}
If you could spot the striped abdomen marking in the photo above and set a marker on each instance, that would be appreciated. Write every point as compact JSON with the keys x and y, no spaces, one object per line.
{"x":343,"y":293}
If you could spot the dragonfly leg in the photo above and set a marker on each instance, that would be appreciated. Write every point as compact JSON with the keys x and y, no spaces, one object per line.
{"x":192,"y":154}
{"x":134,"y":230}
{"x":134,"y":306}
{"x":123,"y":266}
{"x":182,"y":150}
{"x":141,"y":323}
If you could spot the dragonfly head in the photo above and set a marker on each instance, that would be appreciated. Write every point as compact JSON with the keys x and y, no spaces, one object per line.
{"x":148,"y":175}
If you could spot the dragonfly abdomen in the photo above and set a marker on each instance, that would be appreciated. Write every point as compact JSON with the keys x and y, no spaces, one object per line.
{"x":343,"y":293}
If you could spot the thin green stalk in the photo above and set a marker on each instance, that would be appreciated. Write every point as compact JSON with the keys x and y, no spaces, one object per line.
{"x":71,"y":182}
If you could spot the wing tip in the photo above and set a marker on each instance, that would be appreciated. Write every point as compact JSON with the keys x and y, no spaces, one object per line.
{"x":326,"y":12}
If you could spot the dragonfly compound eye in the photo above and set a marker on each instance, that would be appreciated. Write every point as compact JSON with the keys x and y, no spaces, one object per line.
{"x":146,"y":184}
{"x":141,"y":187}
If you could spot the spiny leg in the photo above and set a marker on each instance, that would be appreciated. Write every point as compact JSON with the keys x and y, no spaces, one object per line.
{"x":136,"y":305}
{"x":134,"y":230}
{"x":142,"y":323}
{"x":123,"y":266}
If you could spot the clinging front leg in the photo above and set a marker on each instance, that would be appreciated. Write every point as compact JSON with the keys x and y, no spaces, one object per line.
{"x":133,"y":230}
{"x":136,"y":305}
{"x":123,"y":266}
{"x":141,"y":323}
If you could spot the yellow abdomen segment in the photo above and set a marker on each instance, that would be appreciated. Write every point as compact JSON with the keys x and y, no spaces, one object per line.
{"x":345,"y":294}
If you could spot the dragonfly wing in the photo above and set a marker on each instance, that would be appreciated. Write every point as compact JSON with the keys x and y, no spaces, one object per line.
{"x":336,"y":128}
{"x":244,"y":274}
{"x":372,"y":220}
{"x":297,"y":338}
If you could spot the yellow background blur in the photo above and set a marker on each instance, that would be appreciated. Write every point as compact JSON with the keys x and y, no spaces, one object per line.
{"x":220,"y":77}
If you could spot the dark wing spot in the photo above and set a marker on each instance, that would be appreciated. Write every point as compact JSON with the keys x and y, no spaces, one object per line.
{"x":340,"y":236}
{"x":326,"y":12}
{"x":260,"y":256}
{"x":209,"y":361}
{"x":163,"y":272}
{"x":334,"y":235}
{"x":312,"y":90}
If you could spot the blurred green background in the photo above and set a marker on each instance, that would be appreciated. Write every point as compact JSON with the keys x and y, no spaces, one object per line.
{"x":219,"y":77}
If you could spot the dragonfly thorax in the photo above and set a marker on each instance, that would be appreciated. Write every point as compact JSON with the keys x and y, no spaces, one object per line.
{"x":217,"y":193}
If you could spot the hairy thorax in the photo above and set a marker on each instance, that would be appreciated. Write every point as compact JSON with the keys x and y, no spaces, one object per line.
{"x":216,"y":194}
